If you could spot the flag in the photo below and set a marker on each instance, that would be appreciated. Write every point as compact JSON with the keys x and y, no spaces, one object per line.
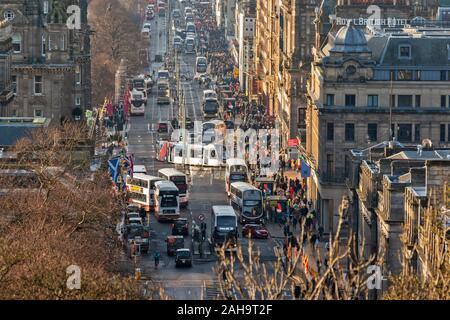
{"x":126,"y":104}
{"x":113,"y":166}
{"x":163,"y":152}
{"x":306,"y":170}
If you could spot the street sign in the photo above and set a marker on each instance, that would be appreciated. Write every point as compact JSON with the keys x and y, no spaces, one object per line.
{"x":293,"y":142}
{"x":236,"y":72}
{"x":136,"y":189}
{"x":201,"y":217}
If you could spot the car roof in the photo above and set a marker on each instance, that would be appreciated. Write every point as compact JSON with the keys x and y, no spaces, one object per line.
{"x":184,"y":249}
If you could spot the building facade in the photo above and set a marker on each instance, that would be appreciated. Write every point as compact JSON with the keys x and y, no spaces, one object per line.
{"x":367,"y":88}
{"x":389,"y":191}
{"x":245,"y":34}
{"x":51,"y":62}
{"x":6,"y":90}
{"x":284,"y":39}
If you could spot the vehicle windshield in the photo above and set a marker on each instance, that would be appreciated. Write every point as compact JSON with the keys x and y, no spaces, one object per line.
{"x":163,"y":74}
{"x":237,"y":177}
{"x":135,"y":231}
{"x":248,"y":207}
{"x":168,"y":200}
{"x":211,"y":106}
{"x":208,"y":126}
{"x":138,"y":83}
{"x":180,"y":223}
{"x":184,"y":254}
{"x":226,"y":223}
{"x":137,"y":96}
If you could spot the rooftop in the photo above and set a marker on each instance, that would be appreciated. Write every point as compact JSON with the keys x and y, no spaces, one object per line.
{"x":13,"y":129}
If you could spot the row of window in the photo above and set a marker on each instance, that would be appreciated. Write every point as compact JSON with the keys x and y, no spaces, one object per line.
{"x":400,"y":100}
{"x":404,"y":51}
{"x":402,"y":131}
{"x":38,"y":88}
{"x":411,"y":75}
{"x":444,"y":136}
{"x":52,"y":42}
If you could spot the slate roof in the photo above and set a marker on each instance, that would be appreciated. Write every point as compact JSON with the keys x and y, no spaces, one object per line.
{"x":11,"y":132}
{"x":425,"y":51}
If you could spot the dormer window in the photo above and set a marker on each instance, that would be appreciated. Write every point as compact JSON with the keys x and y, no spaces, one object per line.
{"x":404,"y":51}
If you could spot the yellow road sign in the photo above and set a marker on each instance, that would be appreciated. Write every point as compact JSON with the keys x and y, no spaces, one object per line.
{"x":236,"y":72}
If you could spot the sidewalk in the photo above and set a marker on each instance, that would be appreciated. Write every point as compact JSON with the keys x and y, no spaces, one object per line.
{"x":276,"y":232}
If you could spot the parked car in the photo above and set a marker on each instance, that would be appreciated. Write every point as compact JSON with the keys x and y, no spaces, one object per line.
{"x":180,"y":227}
{"x":135,"y":220}
{"x":138,"y":234}
{"x":255,"y":231}
{"x":183,"y":257}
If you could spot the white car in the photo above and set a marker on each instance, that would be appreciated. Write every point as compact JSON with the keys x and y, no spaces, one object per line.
{"x":209,"y":94}
{"x":147,"y":25}
{"x":135,"y":221}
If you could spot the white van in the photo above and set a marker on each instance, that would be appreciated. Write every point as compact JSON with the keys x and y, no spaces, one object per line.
{"x":139,"y":169}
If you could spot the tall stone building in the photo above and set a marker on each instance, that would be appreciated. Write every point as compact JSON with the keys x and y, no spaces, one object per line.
{"x":367,"y":88}
{"x":50,"y":61}
{"x":284,"y":39}
{"x":245,"y":35}
{"x":389,"y":191}
{"x":6,"y":93}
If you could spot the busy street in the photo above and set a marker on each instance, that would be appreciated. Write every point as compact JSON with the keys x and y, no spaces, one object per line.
{"x":206,"y":186}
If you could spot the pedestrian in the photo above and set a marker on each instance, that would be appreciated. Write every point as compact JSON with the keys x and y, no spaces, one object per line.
{"x":286,"y":229}
{"x":320,"y":232}
{"x":294,"y":223}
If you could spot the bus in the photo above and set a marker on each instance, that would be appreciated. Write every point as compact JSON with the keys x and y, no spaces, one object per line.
{"x":210,"y":108}
{"x":163,"y":74}
{"x":139,"y":83}
{"x":212,"y":128}
{"x":180,"y":180}
{"x":140,"y":189}
{"x":167,"y":202}
{"x":137,"y":102}
{"x":190,"y":28}
{"x":224,"y":229}
{"x":189,"y":47}
{"x":236,"y":170}
{"x":247,"y":202}
{"x":163,"y":92}
{"x":201,"y":64}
